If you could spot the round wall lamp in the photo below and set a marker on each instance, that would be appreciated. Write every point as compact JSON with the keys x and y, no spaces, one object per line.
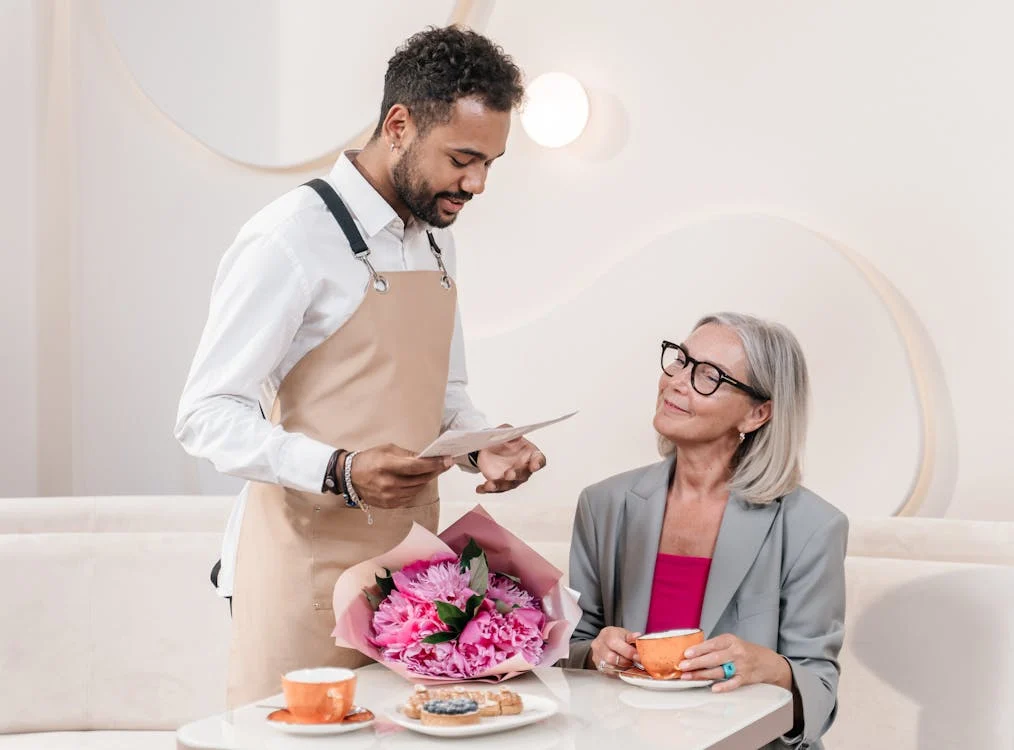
{"x":556,"y":109}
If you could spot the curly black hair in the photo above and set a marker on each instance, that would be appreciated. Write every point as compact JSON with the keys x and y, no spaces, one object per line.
{"x":434,"y":68}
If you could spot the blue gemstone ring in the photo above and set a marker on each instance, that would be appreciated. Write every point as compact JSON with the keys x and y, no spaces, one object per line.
{"x":729,"y":668}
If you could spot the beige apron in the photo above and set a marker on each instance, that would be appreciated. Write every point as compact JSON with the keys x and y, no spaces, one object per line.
{"x":380,"y":378}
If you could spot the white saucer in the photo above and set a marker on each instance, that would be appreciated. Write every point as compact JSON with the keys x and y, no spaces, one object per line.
{"x":536,"y":708}
{"x":316,"y":730}
{"x":649,"y":683}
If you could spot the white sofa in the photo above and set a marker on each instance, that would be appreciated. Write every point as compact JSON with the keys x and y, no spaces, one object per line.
{"x":112,"y":635}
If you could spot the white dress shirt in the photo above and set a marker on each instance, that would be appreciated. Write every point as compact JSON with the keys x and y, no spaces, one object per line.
{"x":286,"y":284}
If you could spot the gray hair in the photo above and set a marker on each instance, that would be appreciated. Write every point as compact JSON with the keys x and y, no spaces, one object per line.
{"x":768,"y":463}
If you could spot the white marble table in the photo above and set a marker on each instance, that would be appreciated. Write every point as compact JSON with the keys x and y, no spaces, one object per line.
{"x":595,"y":711}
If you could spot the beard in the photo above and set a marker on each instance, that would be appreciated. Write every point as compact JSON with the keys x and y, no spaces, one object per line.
{"x":415,"y":192}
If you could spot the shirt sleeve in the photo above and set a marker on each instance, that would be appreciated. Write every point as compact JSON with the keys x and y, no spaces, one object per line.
{"x":257,"y":305}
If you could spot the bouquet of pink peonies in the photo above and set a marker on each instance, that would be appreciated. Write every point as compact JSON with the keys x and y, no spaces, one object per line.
{"x":474,"y":602}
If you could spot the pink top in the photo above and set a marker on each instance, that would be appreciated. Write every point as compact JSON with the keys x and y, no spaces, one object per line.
{"x":677,"y":592}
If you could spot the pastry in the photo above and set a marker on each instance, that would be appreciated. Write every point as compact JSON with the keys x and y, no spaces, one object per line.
{"x":413,"y":705}
{"x":490,"y":702}
{"x":449,"y":712}
{"x":510,"y":702}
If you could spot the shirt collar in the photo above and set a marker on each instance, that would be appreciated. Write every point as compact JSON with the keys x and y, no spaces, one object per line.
{"x":366,"y":204}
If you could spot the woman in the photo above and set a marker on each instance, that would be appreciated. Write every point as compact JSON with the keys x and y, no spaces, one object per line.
{"x":720,"y":535}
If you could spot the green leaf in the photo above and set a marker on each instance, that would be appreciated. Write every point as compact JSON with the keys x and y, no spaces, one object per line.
{"x":479,"y":581}
{"x":503,"y":607}
{"x":470,"y":606}
{"x":373,"y":599}
{"x":451,"y":616}
{"x":471,"y":550}
{"x":386,"y":584}
{"x":442,"y":636}
{"x":513,"y":578}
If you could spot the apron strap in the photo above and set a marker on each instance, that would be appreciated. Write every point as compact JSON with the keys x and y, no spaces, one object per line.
{"x":341,"y":215}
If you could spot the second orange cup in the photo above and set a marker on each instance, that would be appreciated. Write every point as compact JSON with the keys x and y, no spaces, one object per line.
{"x":322,"y":694}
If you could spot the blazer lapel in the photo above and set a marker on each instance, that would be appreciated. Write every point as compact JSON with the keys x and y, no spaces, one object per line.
{"x":644,"y":511}
{"x":740,"y":537}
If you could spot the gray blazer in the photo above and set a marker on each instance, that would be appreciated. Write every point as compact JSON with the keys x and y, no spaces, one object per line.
{"x":777,"y":579}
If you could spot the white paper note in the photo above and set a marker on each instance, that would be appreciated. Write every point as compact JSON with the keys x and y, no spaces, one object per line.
{"x":456,"y":443}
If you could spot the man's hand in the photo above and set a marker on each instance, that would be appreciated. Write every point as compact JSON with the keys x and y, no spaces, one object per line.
{"x":509,"y":464}
{"x":389,"y":477}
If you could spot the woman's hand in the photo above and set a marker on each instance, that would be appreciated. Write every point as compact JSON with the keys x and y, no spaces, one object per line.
{"x":752,"y":664}
{"x":613,"y":649}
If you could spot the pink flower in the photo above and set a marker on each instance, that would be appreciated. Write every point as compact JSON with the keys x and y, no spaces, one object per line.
{"x":477,"y":658}
{"x":414,"y":569}
{"x":442,"y":581}
{"x":524,"y":629}
{"x":483,"y":629}
{"x":504,"y":589}
{"x":435,"y":660}
{"x":400,"y":621}
{"x":519,"y":632}
{"x":409,"y":614}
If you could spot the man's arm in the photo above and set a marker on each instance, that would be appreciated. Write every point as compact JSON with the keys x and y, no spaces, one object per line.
{"x":257,"y":305}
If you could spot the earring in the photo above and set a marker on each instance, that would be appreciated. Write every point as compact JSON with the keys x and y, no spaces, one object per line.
{"x":742,"y":437}
{"x":393,"y":147}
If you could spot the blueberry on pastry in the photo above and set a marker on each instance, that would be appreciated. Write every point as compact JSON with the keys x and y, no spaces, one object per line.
{"x":451,"y":712}
{"x":491,"y":703}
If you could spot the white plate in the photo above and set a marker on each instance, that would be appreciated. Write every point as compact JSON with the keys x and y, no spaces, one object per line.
{"x":649,"y":684}
{"x":536,"y":708}
{"x":316,"y":730}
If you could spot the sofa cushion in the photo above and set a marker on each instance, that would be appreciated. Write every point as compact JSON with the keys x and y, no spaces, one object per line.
{"x":944,"y":539}
{"x":110,"y":631}
{"x":41,"y":515}
{"x":90,"y":741}
{"x":928,"y":661}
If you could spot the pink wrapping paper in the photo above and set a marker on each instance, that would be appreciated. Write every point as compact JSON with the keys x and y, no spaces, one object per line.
{"x":505,"y":553}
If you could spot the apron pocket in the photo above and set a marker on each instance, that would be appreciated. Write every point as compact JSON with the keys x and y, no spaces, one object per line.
{"x":343,"y":537}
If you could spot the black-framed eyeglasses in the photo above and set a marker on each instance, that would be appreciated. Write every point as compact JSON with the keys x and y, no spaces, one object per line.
{"x":704,"y":376}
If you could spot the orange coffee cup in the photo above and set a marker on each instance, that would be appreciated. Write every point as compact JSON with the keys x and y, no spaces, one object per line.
{"x":319,"y":694}
{"x":660,"y":653}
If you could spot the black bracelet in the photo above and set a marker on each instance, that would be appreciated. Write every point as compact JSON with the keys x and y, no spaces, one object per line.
{"x":473,"y":458}
{"x":332,"y":482}
{"x":339,"y":470}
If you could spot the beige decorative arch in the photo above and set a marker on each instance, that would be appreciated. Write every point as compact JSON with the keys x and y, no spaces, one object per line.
{"x":270,"y":84}
{"x":882,"y":438}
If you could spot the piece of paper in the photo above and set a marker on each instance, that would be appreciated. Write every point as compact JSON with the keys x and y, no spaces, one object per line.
{"x":456,"y":443}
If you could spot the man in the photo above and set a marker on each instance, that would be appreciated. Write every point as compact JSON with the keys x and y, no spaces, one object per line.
{"x":335,"y":307}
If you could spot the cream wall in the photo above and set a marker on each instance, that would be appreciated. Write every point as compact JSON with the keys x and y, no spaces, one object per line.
{"x":18,"y":282}
{"x":860,"y":135}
